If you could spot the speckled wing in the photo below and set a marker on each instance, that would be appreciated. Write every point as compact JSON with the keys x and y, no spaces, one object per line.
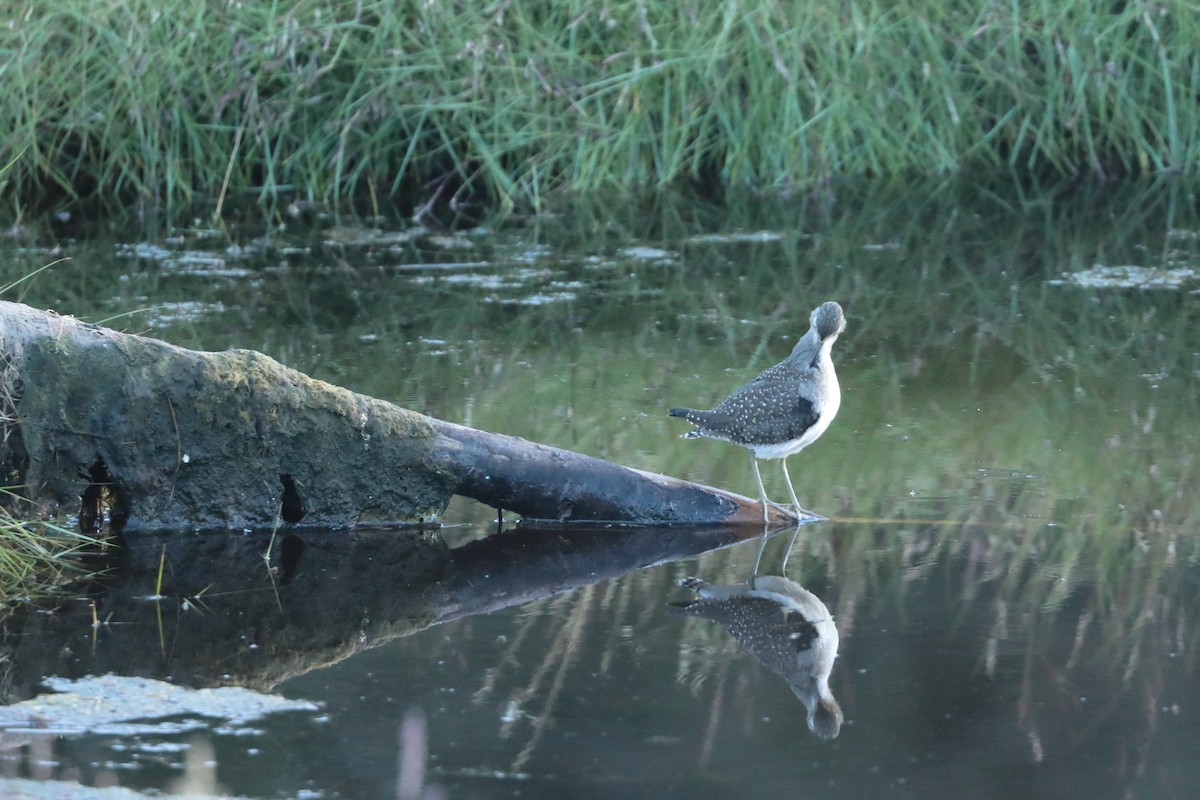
{"x":775,"y":635}
{"x":767,"y":410}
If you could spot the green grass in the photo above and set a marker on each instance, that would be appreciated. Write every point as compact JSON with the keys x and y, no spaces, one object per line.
{"x":36,"y":556}
{"x":164,"y":103}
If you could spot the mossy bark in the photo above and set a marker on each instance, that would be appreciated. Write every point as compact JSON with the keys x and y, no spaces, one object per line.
{"x":174,"y":437}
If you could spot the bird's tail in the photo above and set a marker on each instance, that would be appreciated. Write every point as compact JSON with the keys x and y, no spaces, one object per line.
{"x":696,"y":585}
{"x":690,"y":414}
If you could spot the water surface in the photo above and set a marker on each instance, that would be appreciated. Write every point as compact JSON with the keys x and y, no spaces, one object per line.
{"x":1010,"y":559}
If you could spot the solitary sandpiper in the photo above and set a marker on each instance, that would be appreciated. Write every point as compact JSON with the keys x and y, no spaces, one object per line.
{"x":786,"y":408}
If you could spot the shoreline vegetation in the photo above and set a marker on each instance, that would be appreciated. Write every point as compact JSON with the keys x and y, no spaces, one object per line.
{"x":161,"y":105}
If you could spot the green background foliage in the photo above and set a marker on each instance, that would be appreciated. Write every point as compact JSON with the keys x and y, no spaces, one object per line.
{"x":161,"y":101}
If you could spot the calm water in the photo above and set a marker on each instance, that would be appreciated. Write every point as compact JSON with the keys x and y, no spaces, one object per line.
{"x":1010,"y":560}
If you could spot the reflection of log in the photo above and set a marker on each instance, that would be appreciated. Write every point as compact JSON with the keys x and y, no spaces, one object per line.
{"x":317,"y":598}
{"x":164,"y":437}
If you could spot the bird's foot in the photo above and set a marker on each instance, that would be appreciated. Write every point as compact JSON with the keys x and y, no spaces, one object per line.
{"x":781,"y":507}
{"x":804,"y":515}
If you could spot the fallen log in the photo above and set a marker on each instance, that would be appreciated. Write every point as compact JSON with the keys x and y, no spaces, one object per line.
{"x":149,"y":436}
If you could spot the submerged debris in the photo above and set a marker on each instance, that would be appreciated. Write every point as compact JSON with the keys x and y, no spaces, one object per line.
{"x":737,"y":236}
{"x":541,"y":299}
{"x":646,"y":253}
{"x":164,"y":315}
{"x":111,"y":704}
{"x":203,"y":263}
{"x":1101,"y":276}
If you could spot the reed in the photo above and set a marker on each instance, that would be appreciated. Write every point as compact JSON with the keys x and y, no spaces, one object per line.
{"x":157,"y":104}
{"x":37,"y":556}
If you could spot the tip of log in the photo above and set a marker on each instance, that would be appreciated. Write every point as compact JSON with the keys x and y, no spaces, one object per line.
{"x":750,"y":512}
{"x":547,"y":484}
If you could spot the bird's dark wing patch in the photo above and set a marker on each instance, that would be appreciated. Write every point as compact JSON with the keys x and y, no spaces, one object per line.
{"x":804,"y":417}
{"x":800,"y":632}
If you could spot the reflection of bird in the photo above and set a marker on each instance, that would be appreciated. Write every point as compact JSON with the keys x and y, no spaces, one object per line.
{"x":784,"y":409}
{"x":787,"y":628}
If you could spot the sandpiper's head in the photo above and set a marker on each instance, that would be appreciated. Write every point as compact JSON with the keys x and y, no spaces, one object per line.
{"x":828,"y":320}
{"x":825,"y":718}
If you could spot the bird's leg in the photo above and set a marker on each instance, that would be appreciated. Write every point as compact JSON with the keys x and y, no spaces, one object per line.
{"x":801,"y":512}
{"x":762,"y":492}
{"x":788,"y":552}
{"x":762,"y":545}
{"x":791,"y":489}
